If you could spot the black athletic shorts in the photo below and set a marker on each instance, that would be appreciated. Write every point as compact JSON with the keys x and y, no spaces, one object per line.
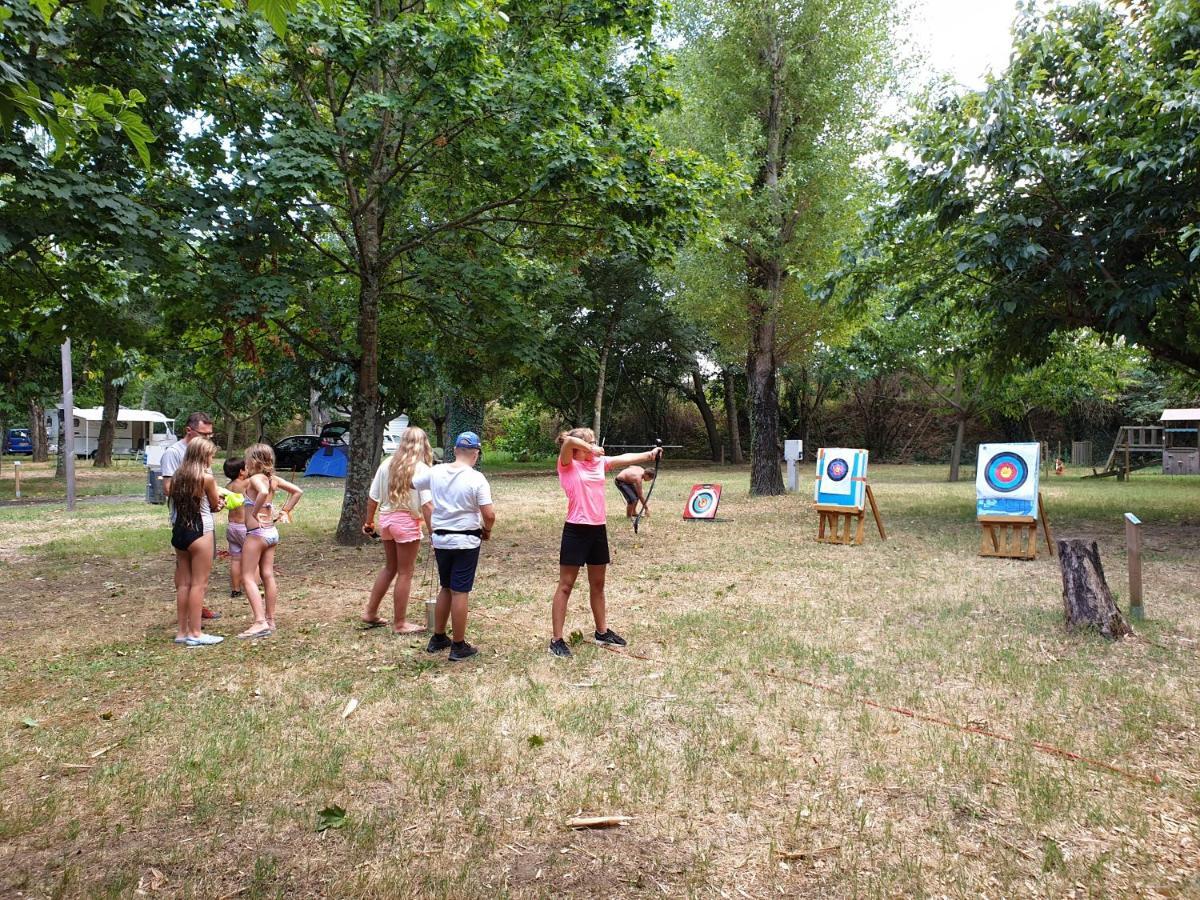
{"x":583,"y":545}
{"x":456,"y":568}
{"x":628,"y":491}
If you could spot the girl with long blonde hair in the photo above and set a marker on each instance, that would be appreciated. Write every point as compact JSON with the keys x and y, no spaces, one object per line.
{"x":401,"y":508}
{"x":194,"y":498}
{"x":262,"y":537}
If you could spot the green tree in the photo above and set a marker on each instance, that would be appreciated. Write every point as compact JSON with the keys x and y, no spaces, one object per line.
{"x":432,"y":156}
{"x":1067,"y":187}
{"x":784,"y":90}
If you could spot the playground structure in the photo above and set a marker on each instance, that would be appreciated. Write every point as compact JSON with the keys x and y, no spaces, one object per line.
{"x":1175,"y":445}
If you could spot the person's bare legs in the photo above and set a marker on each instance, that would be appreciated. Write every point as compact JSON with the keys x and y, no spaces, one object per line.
{"x":235,"y":573}
{"x":558,"y":608}
{"x":200,"y":556}
{"x":266,"y":567}
{"x":183,"y":582}
{"x":451,"y":608}
{"x":382,"y":581}
{"x":596,"y":596}
{"x":406,"y":559}
{"x":252,"y":552}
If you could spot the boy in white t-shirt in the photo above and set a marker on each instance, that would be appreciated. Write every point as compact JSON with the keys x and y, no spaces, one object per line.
{"x":462,"y":519}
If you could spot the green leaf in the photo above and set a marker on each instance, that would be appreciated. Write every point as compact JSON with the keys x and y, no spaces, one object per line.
{"x":97,"y":7}
{"x":535,"y":741}
{"x":332,"y":816}
{"x":137,"y":132}
{"x":29,"y":722}
{"x":275,"y":12}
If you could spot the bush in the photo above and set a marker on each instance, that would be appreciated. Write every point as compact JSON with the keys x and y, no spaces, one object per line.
{"x":519,"y":433}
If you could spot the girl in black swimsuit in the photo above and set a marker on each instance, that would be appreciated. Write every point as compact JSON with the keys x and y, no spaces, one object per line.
{"x":194,"y":498}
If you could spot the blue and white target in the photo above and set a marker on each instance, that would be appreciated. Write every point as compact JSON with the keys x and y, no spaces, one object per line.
{"x":1006,"y":481}
{"x":841,"y":477}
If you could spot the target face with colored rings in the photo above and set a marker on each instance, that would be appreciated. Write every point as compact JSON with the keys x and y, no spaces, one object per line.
{"x":1006,"y":472}
{"x":837,"y":470}
{"x":702,"y":504}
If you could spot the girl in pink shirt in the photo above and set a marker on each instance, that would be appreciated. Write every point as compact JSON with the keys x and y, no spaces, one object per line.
{"x":581,"y":469}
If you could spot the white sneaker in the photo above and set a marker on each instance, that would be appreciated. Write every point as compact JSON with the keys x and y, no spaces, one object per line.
{"x":204,"y":640}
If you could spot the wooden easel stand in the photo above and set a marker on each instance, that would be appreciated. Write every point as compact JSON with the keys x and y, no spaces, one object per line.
{"x":838,"y":525}
{"x":1014,"y":537}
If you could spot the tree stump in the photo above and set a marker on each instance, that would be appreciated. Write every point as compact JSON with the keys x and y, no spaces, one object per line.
{"x":1087,"y":600}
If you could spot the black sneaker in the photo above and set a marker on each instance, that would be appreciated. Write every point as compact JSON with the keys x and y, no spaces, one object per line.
{"x":461,"y":651}
{"x":438,"y":643}
{"x":611,"y":638}
{"x":559,"y":647}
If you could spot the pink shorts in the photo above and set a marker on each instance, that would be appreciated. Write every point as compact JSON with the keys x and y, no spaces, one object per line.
{"x":400,"y":526}
{"x":235,"y":533}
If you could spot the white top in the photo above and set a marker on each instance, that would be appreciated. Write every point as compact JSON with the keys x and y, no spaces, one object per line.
{"x":172,"y":459}
{"x":379,"y":490}
{"x":458,"y":494}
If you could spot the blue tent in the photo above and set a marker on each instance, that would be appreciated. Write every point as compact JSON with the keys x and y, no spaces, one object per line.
{"x":329,"y":461}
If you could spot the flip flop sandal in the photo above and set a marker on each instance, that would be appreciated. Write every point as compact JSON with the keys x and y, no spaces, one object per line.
{"x":266,"y":632}
{"x":364,"y":625}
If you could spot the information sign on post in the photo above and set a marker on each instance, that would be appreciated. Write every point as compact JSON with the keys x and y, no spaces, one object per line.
{"x":793,"y":452}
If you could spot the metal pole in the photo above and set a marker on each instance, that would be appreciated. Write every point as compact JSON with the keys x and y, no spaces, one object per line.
{"x":68,"y":415}
{"x":17,"y":476}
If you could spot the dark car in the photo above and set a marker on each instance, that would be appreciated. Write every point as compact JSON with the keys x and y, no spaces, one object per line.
{"x":335,"y":433}
{"x":294,"y":452}
{"x":18,"y":441}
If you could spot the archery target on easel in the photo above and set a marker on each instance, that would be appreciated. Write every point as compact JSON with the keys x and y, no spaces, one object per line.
{"x":1006,"y":479}
{"x":841,"y":477}
{"x":702,"y":503}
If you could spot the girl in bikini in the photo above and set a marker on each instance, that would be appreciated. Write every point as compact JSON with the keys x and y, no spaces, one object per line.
{"x":401,"y":508}
{"x":258,"y":551}
{"x":581,"y":468}
{"x":194,"y":499}
{"x":235,"y":531}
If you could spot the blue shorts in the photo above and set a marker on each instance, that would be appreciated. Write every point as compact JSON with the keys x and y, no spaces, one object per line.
{"x":456,"y":568}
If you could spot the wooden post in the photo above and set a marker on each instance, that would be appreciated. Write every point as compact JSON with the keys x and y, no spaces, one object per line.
{"x":1127,"y":466}
{"x":17,"y":477}
{"x":1133,"y":549}
{"x":66,"y":440}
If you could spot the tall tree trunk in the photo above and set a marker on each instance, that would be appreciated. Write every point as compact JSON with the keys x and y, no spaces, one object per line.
{"x":706,"y":413}
{"x":765,"y":476}
{"x":439,"y":424}
{"x":108,"y":422}
{"x":37,"y":431}
{"x":366,"y":432}
{"x":598,"y":400}
{"x":731,"y":417}
{"x":230,"y":434}
{"x":956,"y":454}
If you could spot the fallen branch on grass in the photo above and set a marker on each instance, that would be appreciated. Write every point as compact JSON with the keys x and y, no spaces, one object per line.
{"x":598,"y":821}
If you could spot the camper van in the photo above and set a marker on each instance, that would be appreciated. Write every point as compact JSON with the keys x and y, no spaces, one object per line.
{"x":137,"y":429}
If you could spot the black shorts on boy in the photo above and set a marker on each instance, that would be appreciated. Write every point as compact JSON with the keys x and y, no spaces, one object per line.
{"x":456,"y":568}
{"x":628,"y":491}
{"x":583,"y":545}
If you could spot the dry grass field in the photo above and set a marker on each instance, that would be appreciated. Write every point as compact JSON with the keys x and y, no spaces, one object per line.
{"x":738,"y":736}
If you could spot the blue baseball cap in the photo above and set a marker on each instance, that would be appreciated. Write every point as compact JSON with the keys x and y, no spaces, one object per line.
{"x":468,"y":440}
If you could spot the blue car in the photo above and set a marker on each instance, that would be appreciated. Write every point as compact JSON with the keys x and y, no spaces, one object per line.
{"x":17,"y":441}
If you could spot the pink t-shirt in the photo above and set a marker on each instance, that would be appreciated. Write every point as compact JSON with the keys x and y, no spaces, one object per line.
{"x":583,"y":483}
